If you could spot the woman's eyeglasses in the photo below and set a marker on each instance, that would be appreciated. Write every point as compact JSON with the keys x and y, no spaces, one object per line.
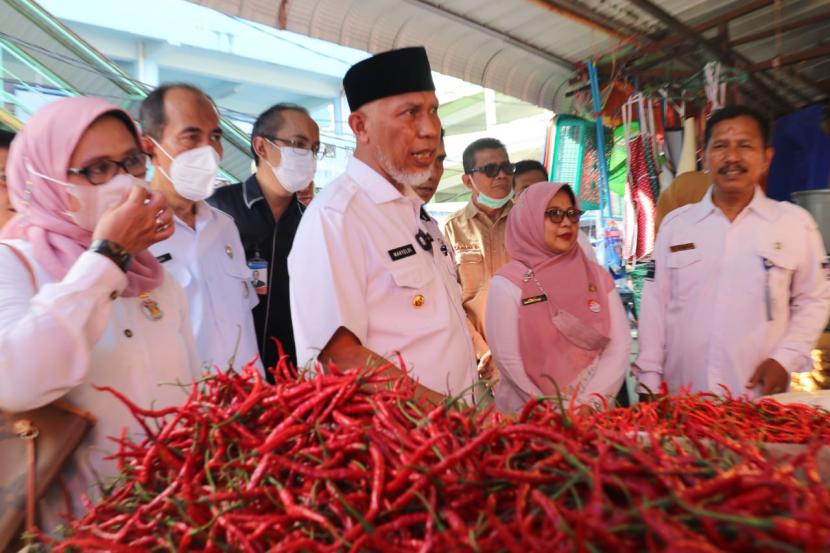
{"x":556,"y":215}
{"x":105,"y":170}
{"x":493,"y":169}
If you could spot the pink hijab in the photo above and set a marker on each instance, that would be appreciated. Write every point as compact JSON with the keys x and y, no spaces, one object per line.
{"x":45,"y":144}
{"x":560,"y":336}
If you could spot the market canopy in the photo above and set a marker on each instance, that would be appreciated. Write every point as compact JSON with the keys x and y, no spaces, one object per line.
{"x":533,"y":49}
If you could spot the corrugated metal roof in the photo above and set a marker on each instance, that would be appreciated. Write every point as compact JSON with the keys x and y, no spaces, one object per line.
{"x":485,"y":53}
{"x":526,"y":48}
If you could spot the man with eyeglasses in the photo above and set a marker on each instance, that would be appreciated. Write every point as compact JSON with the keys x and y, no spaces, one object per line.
{"x":285,"y":142}
{"x":477,"y":231}
{"x":204,"y":254}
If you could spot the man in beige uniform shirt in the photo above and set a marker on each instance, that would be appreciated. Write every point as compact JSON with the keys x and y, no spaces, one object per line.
{"x":476,"y":233}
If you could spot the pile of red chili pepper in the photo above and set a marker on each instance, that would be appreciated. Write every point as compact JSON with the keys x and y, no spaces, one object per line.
{"x":351,"y":462}
{"x":764,"y":420}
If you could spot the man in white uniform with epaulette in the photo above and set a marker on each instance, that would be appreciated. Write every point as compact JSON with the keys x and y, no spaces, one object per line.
{"x":738,"y":293}
{"x":367,"y":281}
{"x":183,"y":138}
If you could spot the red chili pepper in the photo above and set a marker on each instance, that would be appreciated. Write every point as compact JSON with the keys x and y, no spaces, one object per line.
{"x":349,"y":461}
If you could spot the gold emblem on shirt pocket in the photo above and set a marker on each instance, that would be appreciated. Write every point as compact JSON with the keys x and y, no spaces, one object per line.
{"x":416,"y":305}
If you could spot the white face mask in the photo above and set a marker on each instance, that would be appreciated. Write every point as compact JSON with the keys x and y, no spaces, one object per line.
{"x":193,"y":172}
{"x":94,"y":200}
{"x":295,"y":170}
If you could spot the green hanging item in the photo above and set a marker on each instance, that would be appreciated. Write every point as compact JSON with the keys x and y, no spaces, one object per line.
{"x":575,"y":158}
{"x":618,"y":164}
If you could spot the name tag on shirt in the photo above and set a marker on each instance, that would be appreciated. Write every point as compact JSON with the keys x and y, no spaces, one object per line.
{"x":534,"y":299}
{"x":164,"y":258}
{"x":402,"y":252}
{"x":682,"y":247}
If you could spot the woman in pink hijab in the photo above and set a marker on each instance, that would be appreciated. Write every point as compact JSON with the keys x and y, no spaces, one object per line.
{"x":82,"y":302}
{"x":554,"y":320}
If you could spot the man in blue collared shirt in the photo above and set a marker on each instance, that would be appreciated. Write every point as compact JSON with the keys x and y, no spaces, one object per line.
{"x":285,"y":142}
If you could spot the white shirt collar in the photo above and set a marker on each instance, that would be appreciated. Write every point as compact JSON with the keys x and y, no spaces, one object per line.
{"x":373,"y":183}
{"x":760,"y":204}
{"x":204,"y":214}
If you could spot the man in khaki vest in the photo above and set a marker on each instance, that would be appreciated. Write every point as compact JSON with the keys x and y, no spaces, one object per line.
{"x":476,"y":233}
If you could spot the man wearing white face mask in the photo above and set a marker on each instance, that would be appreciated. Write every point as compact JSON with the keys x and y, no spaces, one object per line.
{"x":285,"y":142}
{"x":183,"y":138}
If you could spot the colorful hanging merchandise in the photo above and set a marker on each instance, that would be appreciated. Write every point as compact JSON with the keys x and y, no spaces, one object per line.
{"x":643,"y":185}
{"x":575,"y":159}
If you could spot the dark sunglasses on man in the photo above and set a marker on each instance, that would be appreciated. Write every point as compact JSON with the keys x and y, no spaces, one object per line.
{"x":556,"y":215}
{"x":493,"y":169}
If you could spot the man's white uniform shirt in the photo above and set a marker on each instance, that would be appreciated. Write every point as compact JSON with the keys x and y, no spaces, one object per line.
{"x":723,"y":297}
{"x":356,"y":263}
{"x":209,"y":263}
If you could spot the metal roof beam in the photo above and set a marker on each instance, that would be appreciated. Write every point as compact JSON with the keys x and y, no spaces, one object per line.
{"x":792,"y":25}
{"x":674,"y":39}
{"x":725,"y":56}
{"x":579,"y":12}
{"x":790,"y":59}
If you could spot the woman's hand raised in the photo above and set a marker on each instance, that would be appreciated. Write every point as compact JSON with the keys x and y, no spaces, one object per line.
{"x":138,"y":222}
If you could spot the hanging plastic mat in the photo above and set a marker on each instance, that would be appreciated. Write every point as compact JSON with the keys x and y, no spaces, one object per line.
{"x":589,"y":179}
{"x":575,"y":158}
{"x":653,"y":170}
{"x":642,"y":196}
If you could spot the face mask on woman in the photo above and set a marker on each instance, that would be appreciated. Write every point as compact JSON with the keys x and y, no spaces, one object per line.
{"x":94,"y":200}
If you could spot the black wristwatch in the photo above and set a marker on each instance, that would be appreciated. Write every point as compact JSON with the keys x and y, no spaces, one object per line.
{"x":114,"y":252}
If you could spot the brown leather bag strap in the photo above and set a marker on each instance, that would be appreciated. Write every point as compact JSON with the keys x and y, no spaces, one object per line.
{"x":28,"y":432}
{"x":24,"y":427}
{"x":24,"y":261}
